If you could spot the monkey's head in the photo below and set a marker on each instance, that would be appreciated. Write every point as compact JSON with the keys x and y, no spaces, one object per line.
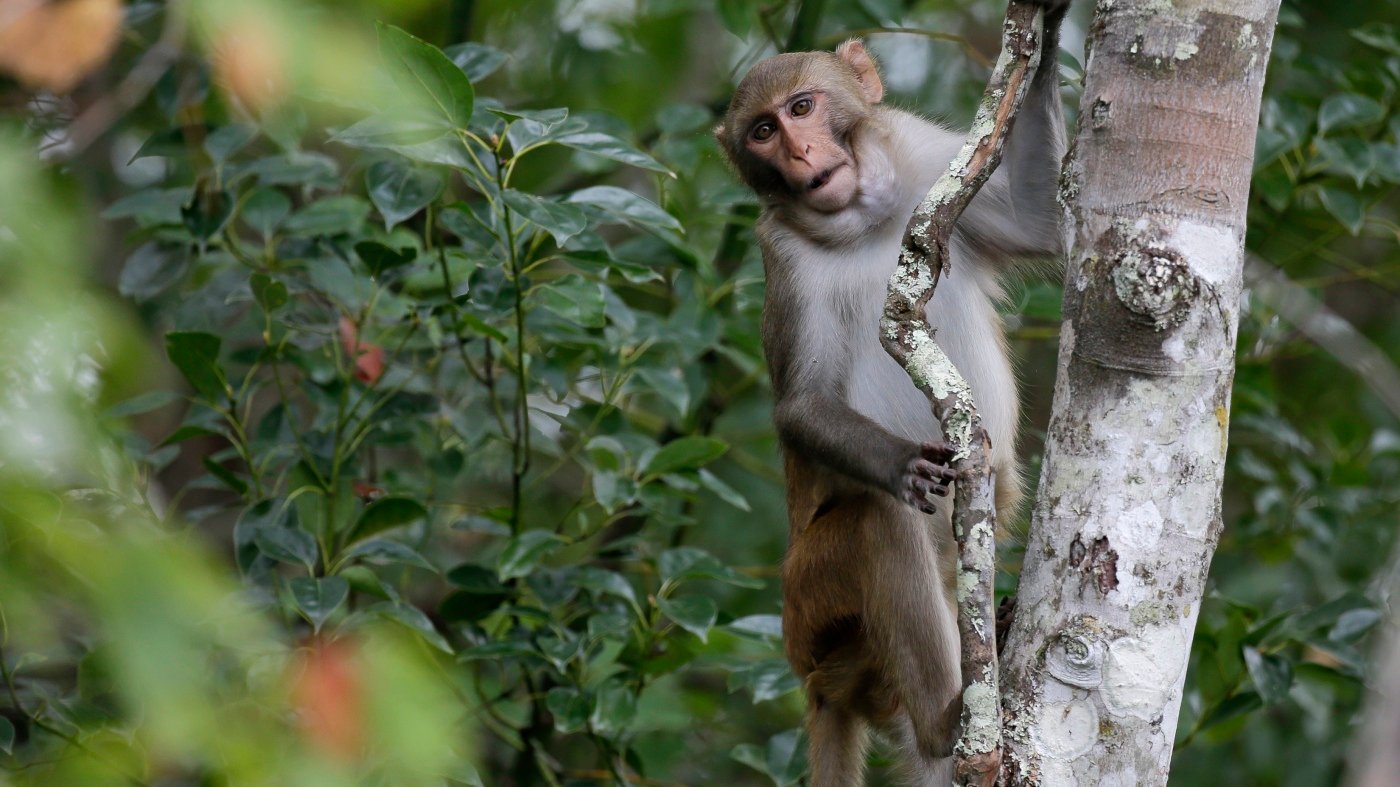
{"x":789,"y":126}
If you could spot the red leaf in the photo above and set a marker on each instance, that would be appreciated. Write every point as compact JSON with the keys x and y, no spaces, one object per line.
{"x":369,"y":358}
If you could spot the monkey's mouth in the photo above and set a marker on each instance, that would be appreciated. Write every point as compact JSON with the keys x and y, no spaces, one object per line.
{"x":822,"y":178}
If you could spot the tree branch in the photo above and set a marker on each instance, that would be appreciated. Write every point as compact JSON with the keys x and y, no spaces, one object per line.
{"x":908,"y":337}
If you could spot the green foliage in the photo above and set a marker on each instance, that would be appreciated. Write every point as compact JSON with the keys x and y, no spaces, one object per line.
{"x":429,"y":395}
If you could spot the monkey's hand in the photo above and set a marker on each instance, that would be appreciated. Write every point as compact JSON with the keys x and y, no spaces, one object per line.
{"x":927,"y":474}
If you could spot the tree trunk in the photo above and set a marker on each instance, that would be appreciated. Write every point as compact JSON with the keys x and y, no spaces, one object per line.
{"x":1128,"y":513}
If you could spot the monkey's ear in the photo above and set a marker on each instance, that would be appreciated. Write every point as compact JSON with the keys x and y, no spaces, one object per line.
{"x":720,"y":135}
{"x":853,"y":52}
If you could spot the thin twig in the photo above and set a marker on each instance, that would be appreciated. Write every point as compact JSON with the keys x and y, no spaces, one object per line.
{"x":908,"y":337}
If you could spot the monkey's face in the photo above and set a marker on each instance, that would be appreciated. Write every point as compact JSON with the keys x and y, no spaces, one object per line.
{"x":788,"y":130}
{"x":798,"y":138}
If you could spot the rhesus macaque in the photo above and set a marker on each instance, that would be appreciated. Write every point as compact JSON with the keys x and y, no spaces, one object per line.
{"x":868,"y":619}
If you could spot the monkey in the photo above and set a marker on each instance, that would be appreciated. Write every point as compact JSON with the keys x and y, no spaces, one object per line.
{"x":869,"y":621}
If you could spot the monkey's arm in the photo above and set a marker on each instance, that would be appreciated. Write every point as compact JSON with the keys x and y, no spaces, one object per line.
{"x":811,"y":413}
{"x":827,"y":429}
{"x":1016,"y":213}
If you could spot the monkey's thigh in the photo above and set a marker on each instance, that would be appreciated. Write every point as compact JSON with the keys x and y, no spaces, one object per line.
{"x":911,"y":623}
{"x":825,"y":630}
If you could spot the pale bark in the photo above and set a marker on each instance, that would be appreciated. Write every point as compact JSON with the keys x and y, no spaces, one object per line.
{"x":1128,"y":511}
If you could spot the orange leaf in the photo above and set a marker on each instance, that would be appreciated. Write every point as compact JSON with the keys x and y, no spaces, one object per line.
{"x":327,"y":693}
{"x":54,"y":45}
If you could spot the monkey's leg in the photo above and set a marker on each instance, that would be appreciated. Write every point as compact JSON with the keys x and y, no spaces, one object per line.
{"x":910,"y":621}
{"x":836,"y":745}
{"x":918,"y":769}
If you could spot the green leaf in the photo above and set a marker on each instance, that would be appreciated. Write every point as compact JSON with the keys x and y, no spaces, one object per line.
{"x":532,"y":127}
{"x":341,"y":215}
{"x":265,"y":210}
{"x":318,"y":597}
{"x":1348,"y":156}
{"x":207,"y":212}
{"x":1231,"y":707}
{"x":7,"y":736}
{"x":574,"y":298}
{"x":225,"y":141}
{"x":1348,"y":110}
{"x":151,"y":206}
{"x":1381,"y":35}
{"x":767,"y":626}
{"x":383,"y":132}
{"x":189,"y":432}
{"x":695,"y":614}
{"x":386,"y":513}
{"x":171,"y":142}
{"x":379,"y":258}
{"x":1353,"y":623}
{"x":559,"y":219}
{"x":560,"y":650}
{"x":399,"y":191}
{"x":601,"y":581}
{"x":1269,"y":144}
{"x":298,"y":168}
{"x":767,"y":679}
{"x":683,"y":118}
{"x":1344,"y":206}
{"x":270,"y":293}
{"x":445,"y":150}
{"x":626,"y":206}
{"x":473,"y":324}
{"x":151,"y":270}
{"x":686,"y":453}
{"x":424,"y":71}
{"x":610,"y":147}
{"x":1271,"y":674}
{"x":287,"y":545}
{"x":669,"y":384}
{"x":196,"y":355}
{"x":683,"y":563}
{"x":614,"y":708}
{"x":477,"y":61}
{"x":1274,"y":185}
{"x":782,"y":760}
{"x":388,"y":551}
{"x":524,"y":552}
{"x":737,"y":16}
{"x":144,"y":403}
{"x":723,"y":490}
{"x":467,"y":607}
{"x":499,"y":649}
{"x":1387,"y":158}
{"x":414,"y":619}
{"x":569,"y":706}
{"x":474,"y":578}
{"x":230,"y":479}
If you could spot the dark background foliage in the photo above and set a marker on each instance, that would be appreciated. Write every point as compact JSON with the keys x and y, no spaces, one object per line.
{"x":386,"y":403}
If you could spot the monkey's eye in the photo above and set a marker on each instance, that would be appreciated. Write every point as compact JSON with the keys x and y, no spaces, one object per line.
{"x":801,"y":107}
{"x":764,"y":131}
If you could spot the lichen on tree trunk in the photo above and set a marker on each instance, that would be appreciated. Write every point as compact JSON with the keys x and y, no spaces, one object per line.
{"x":1128,"y":510}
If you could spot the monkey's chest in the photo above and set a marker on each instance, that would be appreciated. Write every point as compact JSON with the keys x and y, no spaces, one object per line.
{"x":881,"y":391}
